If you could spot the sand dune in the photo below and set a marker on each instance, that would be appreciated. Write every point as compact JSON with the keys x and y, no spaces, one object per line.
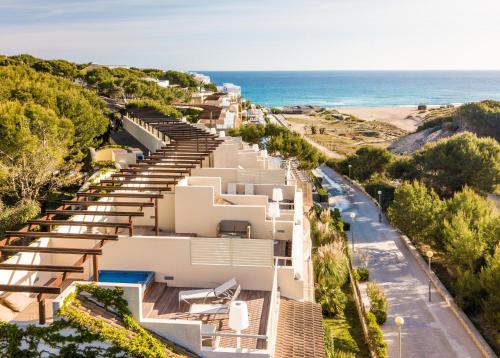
{"x":406,"y":118}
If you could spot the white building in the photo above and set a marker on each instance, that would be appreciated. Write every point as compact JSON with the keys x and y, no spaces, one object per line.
{"x":204,"y":79}
{"x":230,"y":89}
{"x":199,"y":213}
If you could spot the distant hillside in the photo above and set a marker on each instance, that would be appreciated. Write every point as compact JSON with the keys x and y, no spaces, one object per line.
{"x":481,"y":118}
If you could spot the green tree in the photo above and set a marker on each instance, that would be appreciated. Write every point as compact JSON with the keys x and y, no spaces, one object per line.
{"x":416,"y":211}
{"x":366,"y":161}
{"x":464,"y":159}
{"x":33,"y":146}
{"x":13,"y":217}
{"x":490,"y":283}
{"x":57,"y":67}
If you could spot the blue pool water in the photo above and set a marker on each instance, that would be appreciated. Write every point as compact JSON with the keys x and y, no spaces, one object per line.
{"x":362,"y":88}
{"x":118,"y":276}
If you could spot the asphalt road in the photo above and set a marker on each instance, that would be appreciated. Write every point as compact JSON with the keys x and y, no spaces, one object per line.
{"x":430,"y":329}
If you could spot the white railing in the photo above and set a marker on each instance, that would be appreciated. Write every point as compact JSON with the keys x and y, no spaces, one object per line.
{"x":298,"y":237}
{"x":231,"y":252}
{"x":272,"y":320}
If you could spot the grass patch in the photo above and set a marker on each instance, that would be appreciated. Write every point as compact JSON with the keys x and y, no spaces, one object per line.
{"x":346,"y":329}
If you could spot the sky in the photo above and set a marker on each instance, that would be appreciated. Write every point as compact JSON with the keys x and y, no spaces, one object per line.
{"x":258,"y":34}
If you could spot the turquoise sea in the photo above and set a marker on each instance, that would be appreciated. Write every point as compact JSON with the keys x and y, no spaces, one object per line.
{"x":363,"y":88}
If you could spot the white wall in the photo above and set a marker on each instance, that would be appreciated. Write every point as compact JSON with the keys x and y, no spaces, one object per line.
{"x":196,"y":213}
{"x":149,"y":140}
{"x":170,"y":256}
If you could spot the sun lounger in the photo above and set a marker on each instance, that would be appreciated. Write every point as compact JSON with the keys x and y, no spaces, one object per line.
{"x":217,"y":308}
{"x":226,"y":290}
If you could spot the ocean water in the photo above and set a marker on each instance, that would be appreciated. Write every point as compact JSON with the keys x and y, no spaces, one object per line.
{"x":363,"y":88}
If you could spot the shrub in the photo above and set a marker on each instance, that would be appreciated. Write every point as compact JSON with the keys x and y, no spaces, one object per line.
{"x":365,"y":162}
{"x":375,"y":336}
{"x":379,"y":183}
{"x":331,"y":298}
{"x":378,"y":302}
{"x":330,"y":265}
{"x":323,"y":195}
{"x":416,"y":211}
{"x":362,"y":274}
{"x":156,"y":105}
{"x":13,"y":217}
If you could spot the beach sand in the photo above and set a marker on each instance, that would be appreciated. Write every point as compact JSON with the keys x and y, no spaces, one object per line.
{"x":407,"y":118}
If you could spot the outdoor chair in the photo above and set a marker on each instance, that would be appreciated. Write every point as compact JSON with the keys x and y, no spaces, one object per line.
{"x":213,"y":308}
{"x":224,"y":291}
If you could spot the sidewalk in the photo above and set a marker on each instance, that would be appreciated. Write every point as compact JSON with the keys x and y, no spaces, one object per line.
{"x":430,"y":329}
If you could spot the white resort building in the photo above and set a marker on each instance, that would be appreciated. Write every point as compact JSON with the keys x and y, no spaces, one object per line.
{"x":207,"y":236}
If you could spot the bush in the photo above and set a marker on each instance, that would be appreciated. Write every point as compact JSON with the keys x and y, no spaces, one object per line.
{"x":417,"y":211}
{"x":365,"y":162}
{"x":378,"y":302}
{"x":12,"y":218}
{"x":362,"y":274}
{"x":375,"y":336}
{"x":330,"y":265}
{"x":331,"y":298}
{"x":323,"y":195}
{"x":379,"y":183}
{"x":156,"y":105}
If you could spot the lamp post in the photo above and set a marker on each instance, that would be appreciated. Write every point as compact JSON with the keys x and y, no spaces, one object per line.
{"x":399,"y":322}
{"x":238,"y":319}
{"x":429,"y":255}
{"x":274,"y":212}
{"x":352,"y":215}
{"x":350,"y":166}
{"x":380,"y":205}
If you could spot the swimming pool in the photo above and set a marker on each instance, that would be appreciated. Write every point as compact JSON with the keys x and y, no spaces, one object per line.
{"x":124,"y":276}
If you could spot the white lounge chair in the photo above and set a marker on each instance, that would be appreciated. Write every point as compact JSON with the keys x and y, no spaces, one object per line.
{"x":226,"y":290}
{"x":214,"y":308}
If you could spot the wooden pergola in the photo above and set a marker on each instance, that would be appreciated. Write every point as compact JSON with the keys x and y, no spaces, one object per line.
{"x":148,"y":180}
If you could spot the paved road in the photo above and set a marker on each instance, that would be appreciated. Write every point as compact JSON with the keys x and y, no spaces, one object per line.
{"x":430,"y":329}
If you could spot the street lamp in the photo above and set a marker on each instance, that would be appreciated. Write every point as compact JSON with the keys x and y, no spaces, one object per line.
{"x":399,"y":322}
{"x":429,"y":255}
{"x":352,"y":215}
{"x":350,"y":166}
{"x":380,"y":205}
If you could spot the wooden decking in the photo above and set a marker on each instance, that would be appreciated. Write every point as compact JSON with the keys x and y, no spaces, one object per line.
{"x":163,"y":302}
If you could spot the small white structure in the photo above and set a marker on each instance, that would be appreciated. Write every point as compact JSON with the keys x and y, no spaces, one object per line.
{"x":230,"y":89}
{"x":204,"y":79}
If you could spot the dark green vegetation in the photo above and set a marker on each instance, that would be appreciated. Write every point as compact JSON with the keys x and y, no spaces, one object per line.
{"x":122,"y":83}
{"x":150,"y":103}
{"x":283,"y":142}
{"x":437,"y":198}
{"x":343,"y":333}
{"x":129,"y":340}
{"x":51,"y":113}
{"x":378,"y":302}
{"x":464,"y":232}
{"x":481,"y":118}
{"x":446,"y":166}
